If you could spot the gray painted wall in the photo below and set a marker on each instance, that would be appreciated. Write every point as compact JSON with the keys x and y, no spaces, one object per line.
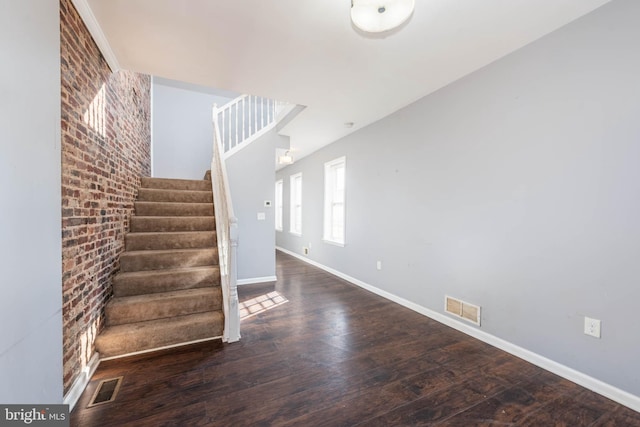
{"x":30,"y":244}
{"x":516,"y":188}
{"x":182,"y":129}
{"x":251,"y":180}
{"x":182,"y":148}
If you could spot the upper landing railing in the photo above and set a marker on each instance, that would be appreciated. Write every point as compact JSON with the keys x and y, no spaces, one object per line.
{"x":245,"y":119}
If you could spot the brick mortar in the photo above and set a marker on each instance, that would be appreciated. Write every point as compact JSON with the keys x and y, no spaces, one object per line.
{"x":105,"y":150}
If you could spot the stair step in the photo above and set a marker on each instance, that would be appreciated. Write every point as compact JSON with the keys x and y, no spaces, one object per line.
{"x":168,"y":289}
{"x":170,"y":240}
{"x":164,"y":259}
{"x":173,"y":209}
{"x":141,"y":308}
{"x":176,"y":196}
{"x":123,"y":339}
{"x":175,"y":279}
{"x":175,"y":184}
{"x":142,"y":224}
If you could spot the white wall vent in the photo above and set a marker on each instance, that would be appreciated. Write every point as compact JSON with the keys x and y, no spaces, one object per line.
{"x":464,"y":310}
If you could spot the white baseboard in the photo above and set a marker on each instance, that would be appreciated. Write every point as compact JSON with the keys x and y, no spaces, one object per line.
{"x":593,"y":384}
{"x":71,"y":398}
{"x":253,"y":280}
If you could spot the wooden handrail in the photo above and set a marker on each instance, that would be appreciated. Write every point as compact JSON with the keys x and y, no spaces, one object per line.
{"x":227,"y":235}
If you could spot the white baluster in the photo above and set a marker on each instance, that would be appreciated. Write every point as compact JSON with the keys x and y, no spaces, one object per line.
{"x":255,"y":117}
{"x":237,"y":114}
{"x":272,"y":110}
{"x":224,"y":147}
{"x":244,"y":107}
{"x":249,"y":129}
{"x":229,"y":128}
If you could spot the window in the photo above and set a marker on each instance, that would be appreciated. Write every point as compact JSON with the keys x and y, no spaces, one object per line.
{"x":296,"y":204}
{"x":279,"y":205}
{"x":334,"y":198}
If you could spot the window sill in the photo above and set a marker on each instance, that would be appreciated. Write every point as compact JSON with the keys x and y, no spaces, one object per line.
{"x":295,"y":233}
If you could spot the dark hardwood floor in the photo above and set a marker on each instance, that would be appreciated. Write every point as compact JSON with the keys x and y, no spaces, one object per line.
{"x":318,"y":351}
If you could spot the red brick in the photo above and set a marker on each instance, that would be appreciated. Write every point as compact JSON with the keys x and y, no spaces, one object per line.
{"x":101,"y":169}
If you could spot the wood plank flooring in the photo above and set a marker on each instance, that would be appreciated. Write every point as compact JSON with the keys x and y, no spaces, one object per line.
{"x":317,"y":351}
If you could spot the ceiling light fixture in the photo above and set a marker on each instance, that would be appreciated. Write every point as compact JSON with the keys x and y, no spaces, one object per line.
{"x":377,"y":16}
{"x":287,"y":159}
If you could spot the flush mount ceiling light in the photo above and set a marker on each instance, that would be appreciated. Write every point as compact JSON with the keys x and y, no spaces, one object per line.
{"x":377,"y":16}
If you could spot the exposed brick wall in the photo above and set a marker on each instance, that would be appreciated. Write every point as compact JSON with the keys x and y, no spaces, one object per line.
{"x":105,"y":149}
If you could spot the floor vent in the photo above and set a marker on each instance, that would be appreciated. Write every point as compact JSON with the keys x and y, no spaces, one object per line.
{"x":106,"y":392}
{"x":464,"y":310}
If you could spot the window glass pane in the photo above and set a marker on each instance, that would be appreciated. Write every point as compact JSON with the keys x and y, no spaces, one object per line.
{"x":337,"y":223}
{"x":296,"y":204}
{"x":340,"y":178}
{"x":334,"y":208}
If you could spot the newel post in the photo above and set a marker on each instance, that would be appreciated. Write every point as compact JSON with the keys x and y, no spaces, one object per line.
{"x":234,"y":309}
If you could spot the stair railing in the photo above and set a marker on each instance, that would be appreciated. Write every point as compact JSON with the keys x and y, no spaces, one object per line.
{"x":245,"y":119}
{"x":227,"y":236}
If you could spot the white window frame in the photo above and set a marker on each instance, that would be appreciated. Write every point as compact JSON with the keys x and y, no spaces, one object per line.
{"x":279,"y":204}
{"x":295,"y":204}
{"x":334,"y":197}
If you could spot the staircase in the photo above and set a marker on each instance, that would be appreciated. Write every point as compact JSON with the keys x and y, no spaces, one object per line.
{"x":168,"y":290}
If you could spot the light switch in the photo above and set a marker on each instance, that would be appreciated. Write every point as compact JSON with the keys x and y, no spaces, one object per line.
{"x":261,"y":216}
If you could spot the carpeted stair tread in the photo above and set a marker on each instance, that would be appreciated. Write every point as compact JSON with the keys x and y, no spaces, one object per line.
{"x":176,"y":196}
{"x":175,"y":184}
{"x":171,"y":258}
{"x":134,"y":337}
{"x":167,"y":291}
{"x":141,"y":308}
{"x":143,"y":224}
{"x":147,"y":282}
{"x":170,"y":240}
{"x":173,"y":209}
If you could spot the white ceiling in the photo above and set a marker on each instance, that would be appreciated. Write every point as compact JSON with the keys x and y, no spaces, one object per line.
{"x":307,"y":52}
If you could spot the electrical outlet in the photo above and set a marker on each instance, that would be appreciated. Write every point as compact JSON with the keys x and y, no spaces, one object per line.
{"x":379,"y":265}
{"x":305,"y":251}
{"x":592,"y":327}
